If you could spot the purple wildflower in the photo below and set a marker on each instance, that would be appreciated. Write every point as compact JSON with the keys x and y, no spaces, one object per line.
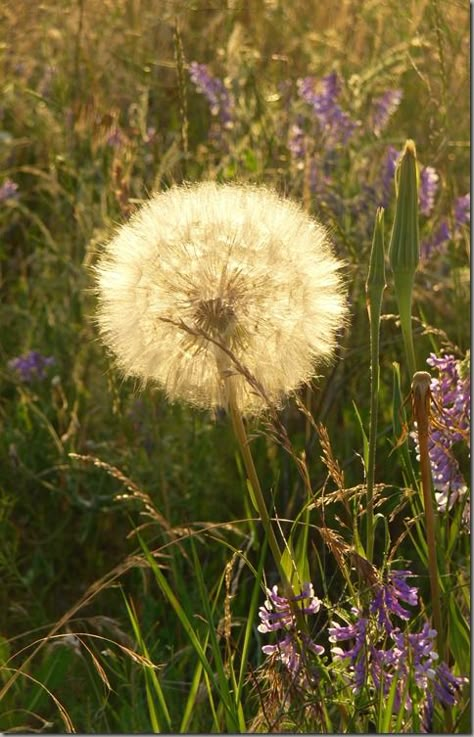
{"x":383,"y":108}
{"x":296,"y":142}
{"x":452,"y":392}
{"x":388,"y":175}
{"x":214,"y":90}
{"x":336,"y":125}
{"x":428,"y":188}
{"x":440,"y":237}
{"x":443,"y":234}
{"x":8,"y":190}
{"x":462,"y":210}
{"x":387,"y":599}
{"x":380,"y":652}
{"x":115,"y":137}
{"x":278,"y":612}
{"x":31,"y":366}
{"x":357,"y":654}
{"x":446,"y":685}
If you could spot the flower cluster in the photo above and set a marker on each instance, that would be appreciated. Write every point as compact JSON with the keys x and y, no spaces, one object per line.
{"x":8,"y":190}
{"x":335,"y":124}
{"x":383,"y":108}
{"x":445,"y":231}
{"x":214,"y":90}
{"x":280,"y":613}
{"x":452,"y":393}
{"x":380,"y":651}
{"x":31,"y":366}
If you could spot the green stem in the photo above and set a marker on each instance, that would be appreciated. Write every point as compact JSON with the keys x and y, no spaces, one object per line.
{"x":374,"y":404}
{"x":403,"y":288}
{"x":421,"y":405}
{"x":241,"y":435}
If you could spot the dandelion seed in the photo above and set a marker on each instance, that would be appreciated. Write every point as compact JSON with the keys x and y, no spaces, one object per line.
{"x":212,"y":284}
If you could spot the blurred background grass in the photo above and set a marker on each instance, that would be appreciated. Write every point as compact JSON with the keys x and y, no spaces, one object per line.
{"x":97,"y":110}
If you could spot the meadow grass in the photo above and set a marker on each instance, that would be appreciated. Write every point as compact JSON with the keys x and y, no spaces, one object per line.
{"x":134,"y":563}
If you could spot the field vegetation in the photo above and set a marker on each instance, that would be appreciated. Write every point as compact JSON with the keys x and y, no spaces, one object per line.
{"x":135,"y":565}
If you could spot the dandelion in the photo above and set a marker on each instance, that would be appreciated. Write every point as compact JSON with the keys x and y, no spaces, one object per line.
{"x":211,"y":289}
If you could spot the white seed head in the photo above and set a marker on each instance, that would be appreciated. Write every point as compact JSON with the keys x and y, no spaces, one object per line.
{"x":208,"y":265}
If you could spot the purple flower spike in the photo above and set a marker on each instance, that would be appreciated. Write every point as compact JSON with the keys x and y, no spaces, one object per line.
{"x":387,"y":599}
{"x":31,"y":366}
{"x":462,"y":210}
{"x":278,"y":612}
{"x":336,"y":125}
{"x":383,"y":109}
{"x":447,"y":686}
{"x":8,"y":190}
{"x":452,"y":392}
{"x":428,"y":189}
{"x":214,"y":90}
{"x":379,"y":652}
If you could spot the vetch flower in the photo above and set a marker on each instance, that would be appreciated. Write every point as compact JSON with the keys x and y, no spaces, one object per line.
{"x":279,"y":613}
{"x":210,"y":286}
{"x":462,"y":210}
{"x":8,"y":190}
{"x":429,"y":180}
{"x":336,"y":125}
{"x":214,"y":90}
{"x":383,"y":108}
{"x":387,"y":597}
{"x":377,"y":652}
{"x":452,"y":392}
{"x":31,"y":366}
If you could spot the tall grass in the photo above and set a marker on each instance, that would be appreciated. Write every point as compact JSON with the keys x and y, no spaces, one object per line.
{"x":133,"y":561}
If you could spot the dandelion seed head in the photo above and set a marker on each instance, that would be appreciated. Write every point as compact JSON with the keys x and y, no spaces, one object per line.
{"x":204,"y":267}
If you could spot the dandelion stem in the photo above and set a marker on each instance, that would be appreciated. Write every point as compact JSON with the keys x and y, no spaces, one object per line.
{"x":241,"y":435}
{"x":421,"y":408}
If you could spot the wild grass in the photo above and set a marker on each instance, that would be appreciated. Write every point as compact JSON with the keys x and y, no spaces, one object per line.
{"x":133,"y":560}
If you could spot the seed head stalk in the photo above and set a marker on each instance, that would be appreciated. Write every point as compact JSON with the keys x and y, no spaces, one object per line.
{"x":241,"y":436}
{"x":420,"y":392}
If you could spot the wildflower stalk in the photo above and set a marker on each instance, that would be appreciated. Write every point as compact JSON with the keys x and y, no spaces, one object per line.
{"x":241,"y":436}
{"x":404,"y":250}
{"x":374,"y":289}
{"x":420,"y":389}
